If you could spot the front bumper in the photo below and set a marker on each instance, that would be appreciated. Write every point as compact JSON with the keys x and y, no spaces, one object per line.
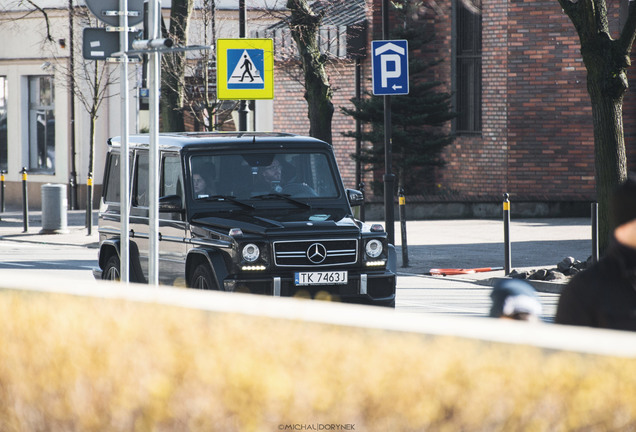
{"x":371,"y":288}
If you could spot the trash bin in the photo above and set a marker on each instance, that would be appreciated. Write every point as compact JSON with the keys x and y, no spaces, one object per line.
{"x":54,"y":204}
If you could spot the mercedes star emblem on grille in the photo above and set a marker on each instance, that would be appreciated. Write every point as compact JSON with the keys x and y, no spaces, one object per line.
{"x":316,"y":253}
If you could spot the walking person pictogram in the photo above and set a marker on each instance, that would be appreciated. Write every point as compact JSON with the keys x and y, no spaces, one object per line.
{"x":247,"y":65}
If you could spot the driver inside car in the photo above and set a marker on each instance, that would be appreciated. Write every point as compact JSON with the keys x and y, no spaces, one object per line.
{"x":268,"y":178}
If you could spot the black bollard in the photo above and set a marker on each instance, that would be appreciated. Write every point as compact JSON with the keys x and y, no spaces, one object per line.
{"x":2,"y":173}
{"x":506,"y":220}
{"x":25,"y":201}
{"x":594,"y":232}
{"x":89,"y":205}
{"x":405,"y":249}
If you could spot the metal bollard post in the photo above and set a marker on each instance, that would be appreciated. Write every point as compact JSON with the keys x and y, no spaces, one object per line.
{"x":25,"y":201}
{"x":361,"y":187}
{"x":2,"y":173}
{"x":506,"y":221}
{"x":594,"y":232}
{"x":405,"y":248}
{"x":89,"y":204}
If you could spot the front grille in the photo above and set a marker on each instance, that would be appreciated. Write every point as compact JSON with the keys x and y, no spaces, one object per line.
{"x":297,"y":253}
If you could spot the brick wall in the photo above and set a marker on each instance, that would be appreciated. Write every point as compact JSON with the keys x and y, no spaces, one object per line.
{"x":551,"y":154}
{"x":537,"y":136}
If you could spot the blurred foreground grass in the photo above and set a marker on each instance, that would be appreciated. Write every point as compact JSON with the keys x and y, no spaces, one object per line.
{"x":84,"y":364}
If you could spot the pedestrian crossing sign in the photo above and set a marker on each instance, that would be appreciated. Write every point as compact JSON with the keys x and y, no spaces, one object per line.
{"x":245,"y":69}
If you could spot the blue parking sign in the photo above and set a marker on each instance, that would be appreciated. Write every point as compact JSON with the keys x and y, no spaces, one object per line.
{"x":390,"y":65}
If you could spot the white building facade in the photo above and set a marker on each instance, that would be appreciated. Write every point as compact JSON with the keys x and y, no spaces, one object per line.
{"x":36,"y":118}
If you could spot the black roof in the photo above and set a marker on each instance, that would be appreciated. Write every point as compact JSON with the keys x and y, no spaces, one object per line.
{"x":179,"y":140}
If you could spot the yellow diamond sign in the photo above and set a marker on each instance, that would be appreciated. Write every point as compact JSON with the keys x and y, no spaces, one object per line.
{"x":245,"y":69}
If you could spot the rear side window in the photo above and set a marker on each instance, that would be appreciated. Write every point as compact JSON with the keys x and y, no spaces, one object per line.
{"x":172,"y":178}
{"x":141,"y":180}
{"x":111,"y":193}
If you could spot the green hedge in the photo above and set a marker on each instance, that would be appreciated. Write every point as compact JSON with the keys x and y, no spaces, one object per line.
{"x":84,"y":364}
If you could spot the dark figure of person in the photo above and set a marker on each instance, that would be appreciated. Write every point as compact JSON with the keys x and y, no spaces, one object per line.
{"x":269,"y":178}
{"x":247,"y":65}
{"x":605,"y":294}
{"x":515,"y":299}
{"x":202,"y":180}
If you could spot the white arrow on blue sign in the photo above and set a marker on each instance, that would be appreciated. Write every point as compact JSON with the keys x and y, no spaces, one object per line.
{"x":390,"y":67}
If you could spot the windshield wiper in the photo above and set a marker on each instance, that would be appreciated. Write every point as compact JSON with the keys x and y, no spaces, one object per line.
{"x":229,"y":198}
{"x":284,"y":196}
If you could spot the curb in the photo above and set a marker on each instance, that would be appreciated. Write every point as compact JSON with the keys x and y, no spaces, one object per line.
{"x":540,"y":286}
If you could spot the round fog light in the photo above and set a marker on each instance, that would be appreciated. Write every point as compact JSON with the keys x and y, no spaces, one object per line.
{"x":374,"y":248}
{"x":251,"y":252}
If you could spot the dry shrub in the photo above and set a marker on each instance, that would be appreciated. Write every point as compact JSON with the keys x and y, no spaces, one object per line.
{"x":83,"y":364}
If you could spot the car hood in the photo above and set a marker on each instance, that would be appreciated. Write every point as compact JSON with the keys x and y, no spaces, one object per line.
{"x":264,"y":226}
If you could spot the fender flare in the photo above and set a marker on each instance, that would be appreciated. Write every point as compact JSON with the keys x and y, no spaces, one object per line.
{"x":215,"y":260}
{"x":114,"y":245}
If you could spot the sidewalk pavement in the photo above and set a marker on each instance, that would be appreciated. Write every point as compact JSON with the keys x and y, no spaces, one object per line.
{"x":76,"y":233}
{"x":430,"y":244}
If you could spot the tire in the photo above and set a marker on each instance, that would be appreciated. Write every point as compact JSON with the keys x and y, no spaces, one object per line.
{"x":111,"y":269}
{"x":202,"y":278}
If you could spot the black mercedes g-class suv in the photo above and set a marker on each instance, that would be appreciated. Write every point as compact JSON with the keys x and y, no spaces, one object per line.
{"x":262,"y":213}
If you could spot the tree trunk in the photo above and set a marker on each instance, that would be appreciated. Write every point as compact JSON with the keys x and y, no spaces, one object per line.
{"x":606,"y":61}
{"x":606,"y":84}
{"x":172,"y":86}
{"x":610,"y":158}
{"x":304,"y":25}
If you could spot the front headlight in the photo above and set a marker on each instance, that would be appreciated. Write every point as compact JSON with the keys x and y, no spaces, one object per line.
{"x":374,"y":248}
{"x":251,"y":252}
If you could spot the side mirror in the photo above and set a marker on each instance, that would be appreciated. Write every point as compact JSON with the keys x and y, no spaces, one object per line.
{"x":356,"y":198}
{"x":170,"y":203}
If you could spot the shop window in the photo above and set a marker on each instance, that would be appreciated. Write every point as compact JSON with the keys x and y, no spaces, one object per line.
{"x":41,"y":125}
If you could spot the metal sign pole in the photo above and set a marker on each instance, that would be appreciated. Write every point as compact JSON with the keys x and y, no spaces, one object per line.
{"x":124,"y":159}
{"x":242,"y":103}
{"x":389,"y":214}
{"x":153,"y":169}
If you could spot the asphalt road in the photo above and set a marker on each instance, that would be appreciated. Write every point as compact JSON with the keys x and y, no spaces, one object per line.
{"x":537,"y":243}
{"x":416,"y":294}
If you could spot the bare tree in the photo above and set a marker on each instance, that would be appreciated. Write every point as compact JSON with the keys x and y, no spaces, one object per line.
{"x":304,"y":24}
{"x":199,"y":98}
{"x":606,"y":61}
{"x":173,"y":67}
{"x":90,"y":82}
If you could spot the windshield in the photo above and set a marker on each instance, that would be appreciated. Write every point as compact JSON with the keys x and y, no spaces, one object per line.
{"x":259,"y":176}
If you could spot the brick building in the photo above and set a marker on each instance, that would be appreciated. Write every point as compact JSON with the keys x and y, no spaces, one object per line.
{"x":519,"y":84}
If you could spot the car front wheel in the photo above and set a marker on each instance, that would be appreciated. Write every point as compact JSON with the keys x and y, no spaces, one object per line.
{"x":202,"y":278}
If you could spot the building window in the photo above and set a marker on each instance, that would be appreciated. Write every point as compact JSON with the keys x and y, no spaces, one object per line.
{"x":468,"y":68}
{"x":41,"y":125}
{"x":3,"y":123}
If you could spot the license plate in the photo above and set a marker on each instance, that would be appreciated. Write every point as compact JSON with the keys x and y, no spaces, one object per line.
{"x":321,"y":278}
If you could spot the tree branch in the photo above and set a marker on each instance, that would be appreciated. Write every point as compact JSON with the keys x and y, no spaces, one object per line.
{"x":626,"y":38}
{"x":46,"y":19}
